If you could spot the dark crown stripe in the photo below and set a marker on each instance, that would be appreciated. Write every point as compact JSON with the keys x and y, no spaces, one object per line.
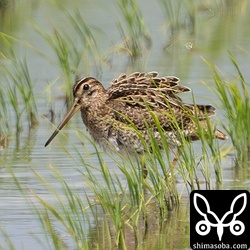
{"x":82,"y":81}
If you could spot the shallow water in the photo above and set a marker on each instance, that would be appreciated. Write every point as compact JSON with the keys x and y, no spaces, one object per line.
{"x":215,"y":33}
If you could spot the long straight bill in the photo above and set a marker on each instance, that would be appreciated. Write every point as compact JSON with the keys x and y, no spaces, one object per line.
{"x":68,"y":116}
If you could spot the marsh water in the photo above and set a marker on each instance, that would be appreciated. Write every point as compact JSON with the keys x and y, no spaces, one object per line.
{"x":176,"y":47}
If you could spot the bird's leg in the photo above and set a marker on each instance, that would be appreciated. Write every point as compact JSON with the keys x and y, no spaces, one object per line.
{"x":144,"y":167}
{"x":176,"y":156}
{"x":174,"y":162}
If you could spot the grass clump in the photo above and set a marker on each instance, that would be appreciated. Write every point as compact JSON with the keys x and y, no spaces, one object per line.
{"x":74,"y":48}
{"x":134,"y":34}
{"x":17,"y":93}
{"x":235,"y":104}
{"x":180,"y":15}
{"x":70,"y":213}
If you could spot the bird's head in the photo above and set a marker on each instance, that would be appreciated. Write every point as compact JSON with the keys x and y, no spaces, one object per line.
{"x":85,"y":91}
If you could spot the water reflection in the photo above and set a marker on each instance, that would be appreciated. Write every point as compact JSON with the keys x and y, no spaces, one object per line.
{"x":152,"y":232}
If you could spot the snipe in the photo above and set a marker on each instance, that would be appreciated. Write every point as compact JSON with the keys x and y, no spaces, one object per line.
{"x":117,"y":117}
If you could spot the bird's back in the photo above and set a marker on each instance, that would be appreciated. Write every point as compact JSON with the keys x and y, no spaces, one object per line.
{"x":143,"y":103}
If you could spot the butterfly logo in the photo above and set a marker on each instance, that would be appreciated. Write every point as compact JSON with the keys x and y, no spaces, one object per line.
{"x":203,"y":227}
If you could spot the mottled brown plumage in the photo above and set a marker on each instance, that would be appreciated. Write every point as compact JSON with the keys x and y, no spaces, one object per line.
{"x":128,"y":109}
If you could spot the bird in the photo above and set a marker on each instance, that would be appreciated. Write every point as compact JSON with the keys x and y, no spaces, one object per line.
{"x":136,"y":107}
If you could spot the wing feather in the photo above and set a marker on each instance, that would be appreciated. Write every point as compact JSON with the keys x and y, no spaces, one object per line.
{"x":144,"y":84}
{"x":133,"y":94}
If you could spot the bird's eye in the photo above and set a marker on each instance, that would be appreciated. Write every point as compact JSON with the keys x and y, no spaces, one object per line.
{"x":85,"y":87}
